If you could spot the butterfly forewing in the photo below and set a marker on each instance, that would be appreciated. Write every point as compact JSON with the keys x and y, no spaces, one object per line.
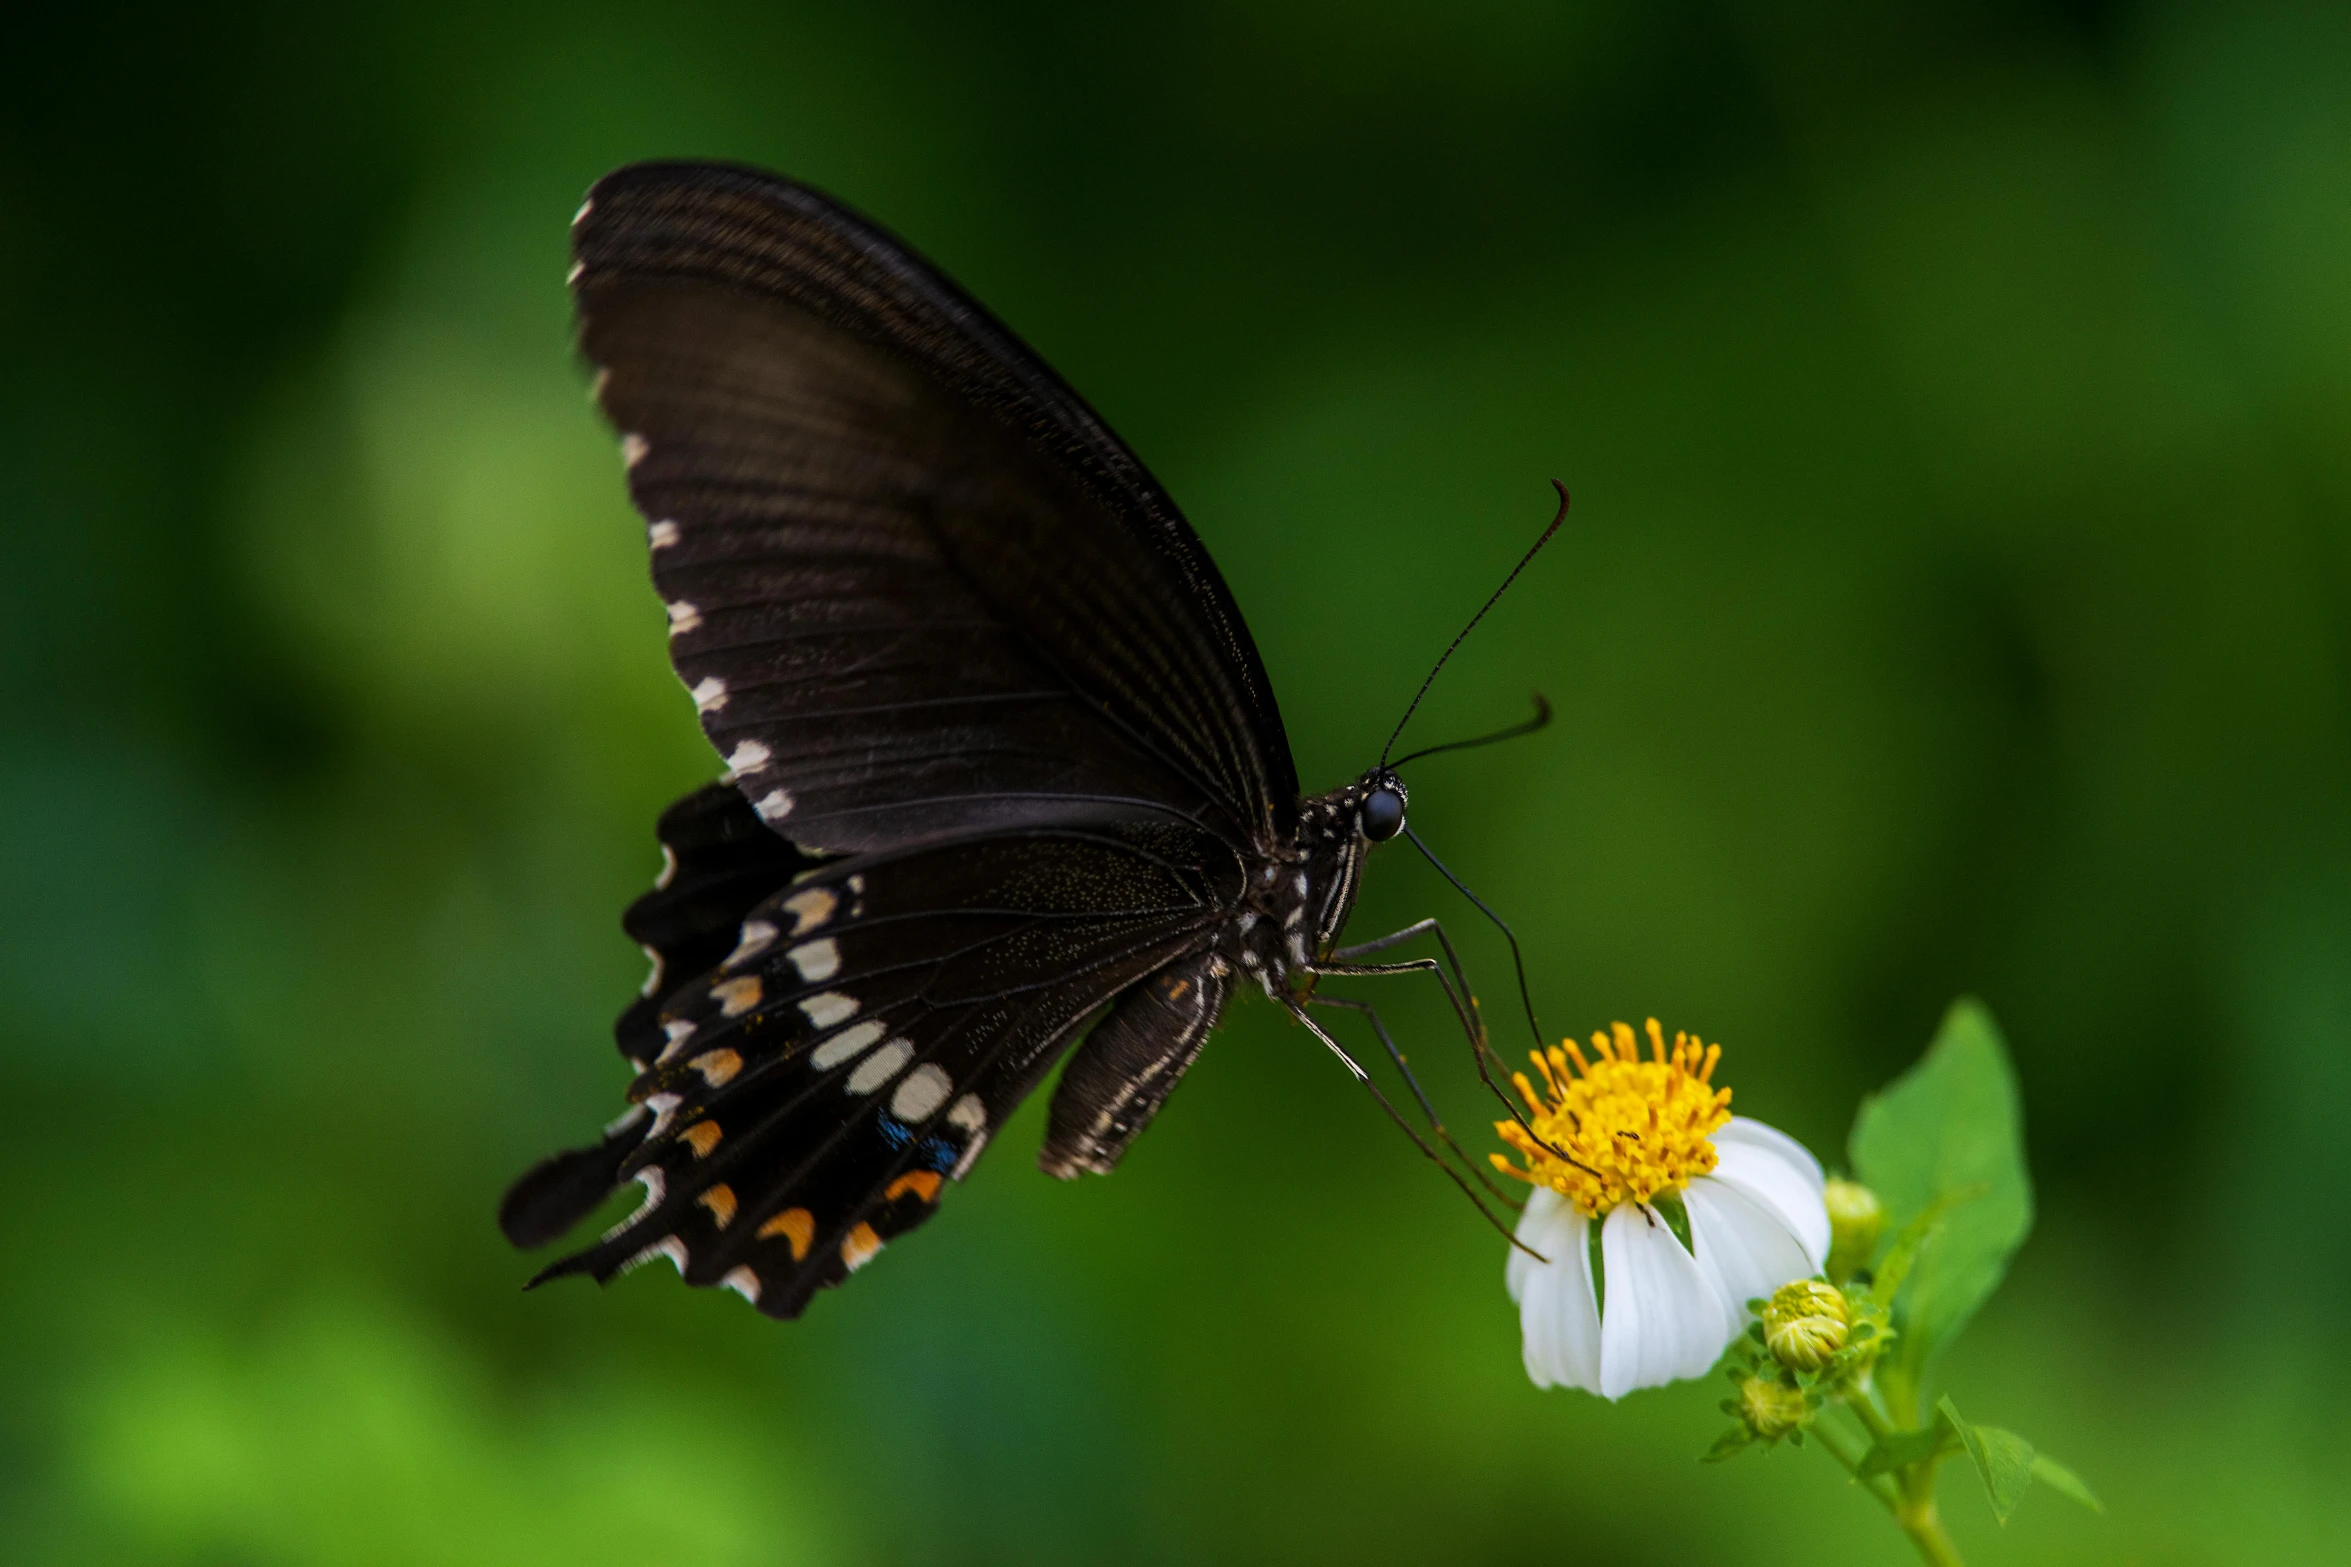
{"x":878,"y":521}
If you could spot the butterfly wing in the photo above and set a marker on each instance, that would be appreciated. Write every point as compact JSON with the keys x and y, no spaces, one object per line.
{"x":718,"y":862}
{"x":1117,"y":1080}
{"x":914,"y":583}
{"x":1000,"y":749}
{"x":878,"y":1017}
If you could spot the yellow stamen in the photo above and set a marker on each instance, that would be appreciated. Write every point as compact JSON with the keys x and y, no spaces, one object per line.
{"x":1629,"y":1128}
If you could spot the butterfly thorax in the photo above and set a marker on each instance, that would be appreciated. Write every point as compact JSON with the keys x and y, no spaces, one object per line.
{"x":1300,"y":893}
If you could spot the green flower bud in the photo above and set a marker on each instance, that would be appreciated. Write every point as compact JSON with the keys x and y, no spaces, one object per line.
{"x":1856,"y":1220}
{"x":1805,"y":1323}
{"x":1770,"y":1408}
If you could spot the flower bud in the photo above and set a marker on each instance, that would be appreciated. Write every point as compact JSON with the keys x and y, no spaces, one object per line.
{"x":1856,"y":1220}
{"x":1805,"y":1323}
{"x":1770,"y":1408}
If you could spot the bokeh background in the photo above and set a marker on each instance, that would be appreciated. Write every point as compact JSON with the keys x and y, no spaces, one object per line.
{"x":1958,"y":598}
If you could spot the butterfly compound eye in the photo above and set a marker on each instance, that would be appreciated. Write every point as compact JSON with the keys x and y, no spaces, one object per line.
{"x":1383,"y":815}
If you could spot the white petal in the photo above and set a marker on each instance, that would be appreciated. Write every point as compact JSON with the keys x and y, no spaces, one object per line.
{"x":1776,"y":1169}
{"x":1662,"y":1320}
{"x":1744,"y":1248}
{"x":1559,"y":1322}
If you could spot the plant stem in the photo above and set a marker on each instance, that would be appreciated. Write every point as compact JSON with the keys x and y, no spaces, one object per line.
{"x":1865,"y":1410}
{"x":1915,"y":1511}
{"x":1920,"y":1521}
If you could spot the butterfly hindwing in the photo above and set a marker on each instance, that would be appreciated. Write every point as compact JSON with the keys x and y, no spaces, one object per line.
{"x":718,"y":862}
{"x":875,"y":1020}
{"x":1117,"y":1080}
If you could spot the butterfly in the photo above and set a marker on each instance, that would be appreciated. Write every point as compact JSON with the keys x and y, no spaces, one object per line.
{"x":1004,"y":772}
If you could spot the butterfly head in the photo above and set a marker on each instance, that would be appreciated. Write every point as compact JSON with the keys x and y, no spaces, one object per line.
{"x":1379,"y":811}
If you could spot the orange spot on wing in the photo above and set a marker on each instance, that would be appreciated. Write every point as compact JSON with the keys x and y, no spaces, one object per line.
{"x":702,"y":1136}
{"x":922,"y":1183}
{"x":718,"y":1067}
{"x":858,"y":1248}
{"x":736,"y":996}
{"x":796,"y":1225}
{"x":720,"y":1200}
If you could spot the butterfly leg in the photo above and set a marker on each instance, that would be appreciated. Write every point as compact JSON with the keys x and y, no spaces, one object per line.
{"x":1355,"y":1070}
{"x":1427,"y":927}
{"x":1464,"y":1008}
{"x":1371,"y":1015}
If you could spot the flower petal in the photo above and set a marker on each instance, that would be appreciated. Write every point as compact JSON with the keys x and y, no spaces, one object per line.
{"x":1664,"y":1319}
{"x":1745,"y":1248}
{"x":1775,"y":1169}
{"x":1558,"y":1318}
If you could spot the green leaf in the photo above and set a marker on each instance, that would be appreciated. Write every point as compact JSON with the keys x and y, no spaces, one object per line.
{"x":1894,"y":1266}
{"x":2064,"y":1481}
{"x":1949,"y":1132}
{"x":1905,"y":1448}
{"x":2003,"y":1460}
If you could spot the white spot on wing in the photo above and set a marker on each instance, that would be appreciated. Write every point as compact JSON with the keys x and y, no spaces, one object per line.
{"x":756,"y":936}
{"x":847,"y":1045}
{"x":880,"y":1067}
{"x":652,"y":980}
{"x":668,"y":1246}
{"x":581,"y":216}
{"x":710,"y":695}
{"x":683,"y":617}
{"x":774,"y":805}
{"x":969,"y":1157}
{"x":573,"y":276}
{"x":829,"y":1009}
{"x":660,"y":535}
{"x":749,"y":757}
{"x":633,"y":448}
{"x":654,"y":1183}
{"x":925,"y":1089}
{"x":969,"y":1114}
{"x":679,"y":1033}
{"x":663,"y":1107}
{"x":817,"y":960}
{"x":744,"y":1283}
{"x":669,"y":868}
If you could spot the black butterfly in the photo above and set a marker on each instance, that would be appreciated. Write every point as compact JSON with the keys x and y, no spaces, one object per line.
{"x":1001,"y":756}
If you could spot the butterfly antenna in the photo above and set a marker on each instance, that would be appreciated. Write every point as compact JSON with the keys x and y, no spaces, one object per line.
{"x":1542,"y":717}
{"x":1532,"y":551}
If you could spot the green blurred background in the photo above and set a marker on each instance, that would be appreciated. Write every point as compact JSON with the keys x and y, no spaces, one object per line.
{"x":1958,"y":597}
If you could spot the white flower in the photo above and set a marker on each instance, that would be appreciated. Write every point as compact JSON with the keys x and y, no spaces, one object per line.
{"x":1610,"y":1140}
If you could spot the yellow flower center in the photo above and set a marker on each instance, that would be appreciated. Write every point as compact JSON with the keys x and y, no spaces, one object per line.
{"x":1617,"y":1128}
